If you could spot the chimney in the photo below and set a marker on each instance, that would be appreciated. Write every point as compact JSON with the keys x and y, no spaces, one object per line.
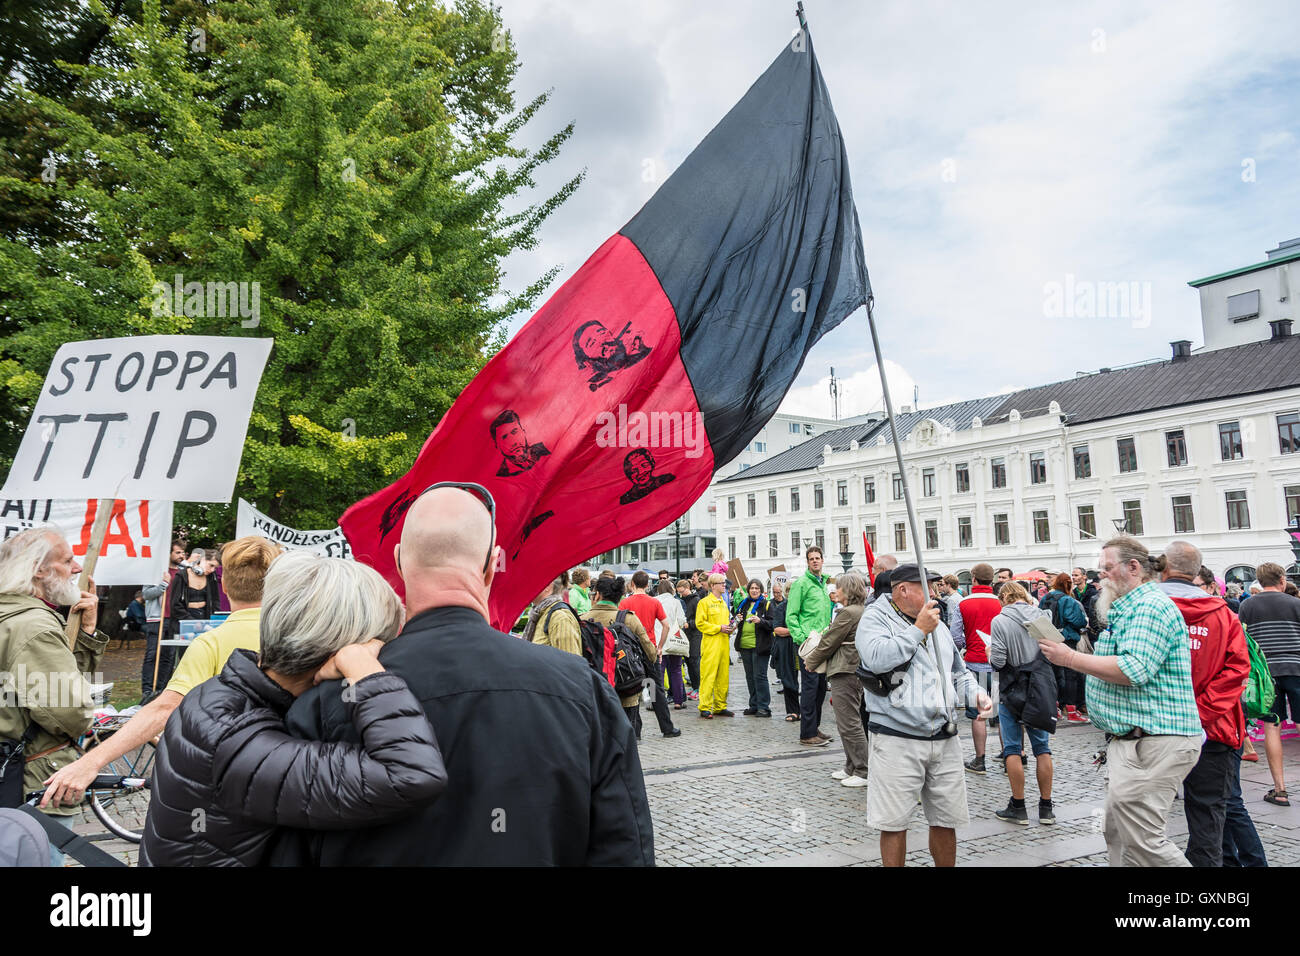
{"x":1182,"y":349}
{"x":1281,"y":328}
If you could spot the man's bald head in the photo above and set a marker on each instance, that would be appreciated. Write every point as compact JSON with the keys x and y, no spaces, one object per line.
{"x":446,"y":528}
{"x":1183,"y":558}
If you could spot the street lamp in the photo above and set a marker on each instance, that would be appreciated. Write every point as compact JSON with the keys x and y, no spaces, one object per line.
{"x":807,"y":543}
{"x":633,"y":565}
{"x":1121,"y":525}
{"x":846,"y":558}
{"x":677,"y":546}
{"x":1294,"y":532}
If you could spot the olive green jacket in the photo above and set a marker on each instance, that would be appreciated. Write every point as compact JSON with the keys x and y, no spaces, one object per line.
{"x":44,"y":682}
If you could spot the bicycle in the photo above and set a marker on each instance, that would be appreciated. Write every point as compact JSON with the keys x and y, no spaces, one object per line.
{"x":66,"y":840}
{"x":112,"y":803}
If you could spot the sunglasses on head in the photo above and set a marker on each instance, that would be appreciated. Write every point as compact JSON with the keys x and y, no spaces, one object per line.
{"x":479,"y":492}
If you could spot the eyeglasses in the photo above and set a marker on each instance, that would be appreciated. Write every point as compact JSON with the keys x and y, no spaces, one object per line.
{"x":479,"y":492}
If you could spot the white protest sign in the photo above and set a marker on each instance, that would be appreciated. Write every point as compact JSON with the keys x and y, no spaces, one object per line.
{"x":328,"y":543}
{"x":136,"y":546}
{"x":155,"y":416}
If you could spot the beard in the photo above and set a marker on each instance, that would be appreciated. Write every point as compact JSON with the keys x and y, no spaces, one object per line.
{"x":1107,"y":595}
{"x":61,"y":590}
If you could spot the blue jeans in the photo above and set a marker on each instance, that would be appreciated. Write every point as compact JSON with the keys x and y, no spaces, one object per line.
{"x":1040,"y":741}
{"x":760,"y":691}
{"x":1241,"y":846}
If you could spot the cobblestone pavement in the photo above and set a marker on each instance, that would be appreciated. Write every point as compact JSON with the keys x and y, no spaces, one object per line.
{"x":742,"y":791}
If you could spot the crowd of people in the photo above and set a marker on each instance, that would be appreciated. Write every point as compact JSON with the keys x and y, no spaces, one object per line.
{"x":327,"y":722}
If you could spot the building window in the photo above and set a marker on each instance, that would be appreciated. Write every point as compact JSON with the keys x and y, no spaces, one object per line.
{"x":760,"y":446}
{"x":753,"y":546}
{"x":1230,"y":441}
{"x":1238,"y":511}
{"x":1001,"y":529}
{"x":731,"y":546}
{"x":869,"y":490}
{"x":819,"y":497}
{"x":1037,"y":468}
{"x":731,"y":508}
{"x":841,"y":493}
{"x":998,"y":467}
{"x":1176,"y":448}
{"x":900,"y":536}
{"x":844,"y":540}
{"x":1042,"y":528}
{"x":898,"y":487}
{"x":1087,"y":522}
{"x":1288,"y":433}
{"x":819,"y":536}
{"x":1291,"y":494}
{"x":794,"y":504}
{"x":1243,"y":306}
{"x":796,"y":543}
{"x":1128,"y":456}
{"x":751,"y":507}
{"x":771,"y":502}
{"x":965,"y":534}
{"x":1184,"y":521}
{"x":927,"y":483}
{"x":1133,"y":515}
{"x":932,"y":534}
{"x":794,"y":430}
{"x":1082,"y":462}
{"x":870,"y":532}
{"x":962,"y":474}
{"x":771,"y":545}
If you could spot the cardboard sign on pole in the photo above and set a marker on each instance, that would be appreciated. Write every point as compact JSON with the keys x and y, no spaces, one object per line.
{"x":736,"y":573}
{"x":156,"y":417}
{"x":779,"y":575}
{"x":328,"y":543}
{"x":104,"y":511}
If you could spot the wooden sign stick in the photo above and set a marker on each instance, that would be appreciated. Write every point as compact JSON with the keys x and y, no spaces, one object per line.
{"x":103,"y":512}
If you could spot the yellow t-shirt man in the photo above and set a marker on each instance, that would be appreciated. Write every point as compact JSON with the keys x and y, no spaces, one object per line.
{"x":206,"y":656}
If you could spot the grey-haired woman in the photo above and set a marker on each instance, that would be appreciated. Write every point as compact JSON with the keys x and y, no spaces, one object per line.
{"x":227,"y":773}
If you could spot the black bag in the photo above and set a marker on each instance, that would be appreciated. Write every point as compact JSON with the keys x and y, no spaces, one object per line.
{"x":631,"y":669}
{"x":12,"y":763}
{"x":882,"y":685}
{"x":1030,"y":694}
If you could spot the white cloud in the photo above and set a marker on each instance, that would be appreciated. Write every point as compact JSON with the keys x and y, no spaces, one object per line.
{"x":1122,"y":164}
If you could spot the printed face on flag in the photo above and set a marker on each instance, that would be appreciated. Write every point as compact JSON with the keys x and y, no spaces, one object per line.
{"x":596,"y":348}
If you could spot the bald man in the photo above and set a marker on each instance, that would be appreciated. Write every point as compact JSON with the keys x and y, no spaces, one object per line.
{"x":542,"y":764}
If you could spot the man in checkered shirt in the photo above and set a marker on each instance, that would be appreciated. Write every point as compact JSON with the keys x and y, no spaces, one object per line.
{"x":1139,"y":691}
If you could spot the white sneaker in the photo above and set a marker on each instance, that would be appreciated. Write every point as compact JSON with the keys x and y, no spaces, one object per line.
{"x":853,"y":781}
{"x":839,"y":775}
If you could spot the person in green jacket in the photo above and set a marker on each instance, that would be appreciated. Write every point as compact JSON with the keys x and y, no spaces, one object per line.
{"x":579,"y":596}
{"x":808,"y":609}
{"x":54,"y":703}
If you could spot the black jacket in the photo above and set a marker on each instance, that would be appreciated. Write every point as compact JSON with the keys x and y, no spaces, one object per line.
{"x":227,"y":773}
{"x":541,"y":760}
{"x":689,"y":604}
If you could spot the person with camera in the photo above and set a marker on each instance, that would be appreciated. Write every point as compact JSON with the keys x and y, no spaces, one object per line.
{"x":914,"y":680}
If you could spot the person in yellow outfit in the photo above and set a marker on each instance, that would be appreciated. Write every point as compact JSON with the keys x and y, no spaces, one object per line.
{"x":714,"y":621}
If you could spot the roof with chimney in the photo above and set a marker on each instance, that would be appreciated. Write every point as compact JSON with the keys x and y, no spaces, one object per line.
{"x":1190,"y":379}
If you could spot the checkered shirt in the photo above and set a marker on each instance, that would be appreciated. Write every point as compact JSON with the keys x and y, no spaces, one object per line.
{"x":1148,"y":636}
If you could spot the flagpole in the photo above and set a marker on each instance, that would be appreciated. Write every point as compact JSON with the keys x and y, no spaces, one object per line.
{"x":898,"y":447}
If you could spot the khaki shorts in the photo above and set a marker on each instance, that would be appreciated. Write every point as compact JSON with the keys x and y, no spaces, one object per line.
{"x":901,"y":771}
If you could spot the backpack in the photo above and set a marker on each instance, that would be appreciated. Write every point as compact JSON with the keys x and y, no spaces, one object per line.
{"x":631,"y":669}
{"x":1257,"y":698}
{"x":597,"y":648}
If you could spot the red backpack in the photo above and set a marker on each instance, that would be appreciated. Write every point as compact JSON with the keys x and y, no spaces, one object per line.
{"x":599,"y":645}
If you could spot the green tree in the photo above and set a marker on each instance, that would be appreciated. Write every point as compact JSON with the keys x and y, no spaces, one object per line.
{"x":354,"y":158}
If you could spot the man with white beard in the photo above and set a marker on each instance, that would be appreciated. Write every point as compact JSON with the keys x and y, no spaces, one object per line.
{"x":46,"y":702}
{"x":1139,"y":691}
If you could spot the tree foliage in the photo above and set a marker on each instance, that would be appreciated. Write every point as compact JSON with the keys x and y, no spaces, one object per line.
{"x":354,"y":158}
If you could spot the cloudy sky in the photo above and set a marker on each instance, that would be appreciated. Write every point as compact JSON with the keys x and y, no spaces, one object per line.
{"x":996,"y":149}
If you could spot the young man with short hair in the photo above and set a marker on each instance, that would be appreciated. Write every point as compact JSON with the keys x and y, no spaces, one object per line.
{"x":808,"y":609}
{"x":1272,"y":619}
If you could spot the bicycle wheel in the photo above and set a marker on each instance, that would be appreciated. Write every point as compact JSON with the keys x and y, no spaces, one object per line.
{"x":122,"y":811}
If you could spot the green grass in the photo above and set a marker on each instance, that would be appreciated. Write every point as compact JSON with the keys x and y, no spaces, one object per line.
{"x":125,"y":694}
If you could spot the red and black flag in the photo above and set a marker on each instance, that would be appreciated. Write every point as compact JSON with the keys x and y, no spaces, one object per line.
{"x":605,"y":417}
